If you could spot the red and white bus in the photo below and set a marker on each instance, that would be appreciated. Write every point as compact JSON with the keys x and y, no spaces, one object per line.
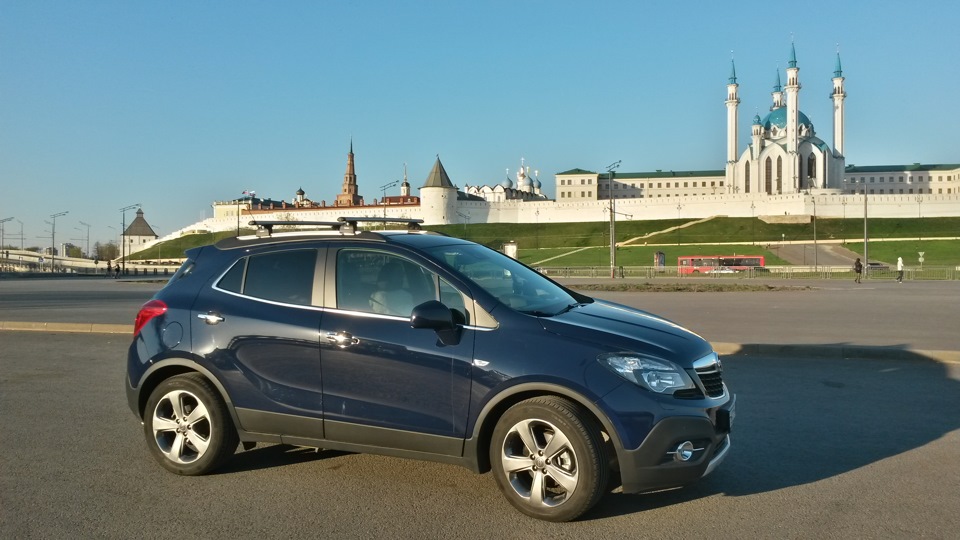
{"x":718,"y":264}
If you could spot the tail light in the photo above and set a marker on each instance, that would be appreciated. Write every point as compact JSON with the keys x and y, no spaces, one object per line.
{"x":153,"y":308}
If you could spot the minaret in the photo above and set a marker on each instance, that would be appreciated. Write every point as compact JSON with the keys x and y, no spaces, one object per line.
{"x":777,"y":93}
{"x":732,"y":101}
{"x":793,"y":114}
{"x":756,"y":132}
{"x":348,"y":195}
{"x":837,"y":96}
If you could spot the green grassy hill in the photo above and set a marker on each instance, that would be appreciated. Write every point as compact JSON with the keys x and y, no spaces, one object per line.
{"x":538,"y":242}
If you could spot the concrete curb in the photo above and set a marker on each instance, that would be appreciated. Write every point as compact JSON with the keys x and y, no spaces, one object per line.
{"x":834,"y":351}
{"x":724,"y":349}
{"x":79,"y":328}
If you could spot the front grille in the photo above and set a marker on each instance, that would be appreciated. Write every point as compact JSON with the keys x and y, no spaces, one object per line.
{"x":712,"y":380}
{"x":708,"y":379}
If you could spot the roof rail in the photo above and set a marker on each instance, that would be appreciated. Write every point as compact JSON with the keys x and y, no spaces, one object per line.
{"x":265,"y":228}
{"x":349,"y":224}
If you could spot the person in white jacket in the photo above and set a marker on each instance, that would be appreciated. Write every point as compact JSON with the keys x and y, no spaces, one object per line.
{"x":899,"y":269}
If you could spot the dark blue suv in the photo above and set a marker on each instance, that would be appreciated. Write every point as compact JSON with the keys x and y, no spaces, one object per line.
{"x":414,"y":344}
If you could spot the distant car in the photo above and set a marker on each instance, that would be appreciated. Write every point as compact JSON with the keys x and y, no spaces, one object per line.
{"x":418,"y":345}
{"x":877,"y":266}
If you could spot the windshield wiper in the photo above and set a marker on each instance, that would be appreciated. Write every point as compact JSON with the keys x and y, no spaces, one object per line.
{"x":568,"y":308}
{"x":541,"y":313}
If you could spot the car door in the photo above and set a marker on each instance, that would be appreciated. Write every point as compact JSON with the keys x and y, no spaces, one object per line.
{"x":386,"y":383}
{"x":257,"y":326}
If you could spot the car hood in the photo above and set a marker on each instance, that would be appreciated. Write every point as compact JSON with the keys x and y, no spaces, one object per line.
{"x":615,"y":327}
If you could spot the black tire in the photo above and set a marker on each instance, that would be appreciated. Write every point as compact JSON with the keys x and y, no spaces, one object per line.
{"x":187,"y":426}
{"x":547,"y":457}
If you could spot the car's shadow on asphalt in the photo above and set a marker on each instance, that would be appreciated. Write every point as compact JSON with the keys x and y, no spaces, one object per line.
{"x":275,"y":455}
{"x":802,"y":420}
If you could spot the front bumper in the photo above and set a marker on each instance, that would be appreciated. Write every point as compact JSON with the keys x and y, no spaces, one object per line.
{"x":653,"y":465}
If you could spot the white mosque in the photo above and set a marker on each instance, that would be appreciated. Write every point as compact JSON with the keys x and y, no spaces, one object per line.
{"x":786,"y":172}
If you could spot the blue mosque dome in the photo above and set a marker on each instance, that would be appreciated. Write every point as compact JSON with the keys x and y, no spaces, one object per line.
{"x":507,"y":184}
{"x":778,"y":117}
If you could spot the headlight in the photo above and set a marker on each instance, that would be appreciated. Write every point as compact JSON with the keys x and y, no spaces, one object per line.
{"x":653,"y":374}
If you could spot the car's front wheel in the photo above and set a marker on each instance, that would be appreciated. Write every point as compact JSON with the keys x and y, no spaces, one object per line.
{"x":547,"y":457}
{"x":187,"y":426}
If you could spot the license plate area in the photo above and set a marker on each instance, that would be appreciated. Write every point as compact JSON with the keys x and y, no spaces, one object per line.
{"x":725,"y":417}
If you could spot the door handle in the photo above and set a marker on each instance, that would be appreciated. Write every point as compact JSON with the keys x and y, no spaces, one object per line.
{"x":210,"y":318}
{"x":342,"y":339}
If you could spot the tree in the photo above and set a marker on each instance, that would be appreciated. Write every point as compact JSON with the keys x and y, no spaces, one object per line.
{"x":106,"y":252}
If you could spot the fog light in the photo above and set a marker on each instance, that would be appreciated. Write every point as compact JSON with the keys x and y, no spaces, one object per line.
{"x":684,"y":451}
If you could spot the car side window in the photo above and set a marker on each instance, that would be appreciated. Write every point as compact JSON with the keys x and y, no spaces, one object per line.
{"x":378,"y":282}
{"x":233,"y":280}
{"x":453,"y":299}
{"x":285,"y":276}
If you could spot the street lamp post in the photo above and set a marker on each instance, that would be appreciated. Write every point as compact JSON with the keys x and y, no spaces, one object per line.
{"x":383,"y":197}
{"x":679,"y":208}
{"x":537,"y":214}
{"x":816,"y":262}
{"x":21,"y":234}
{"x":123,"y":234}
{"x":866,"y":236}
{"x":53,"y":240}
{"x":919,"y":217}
{"x":753,"y":223}
{"x":611,"y":173}
{"x":2,"y":221}
{"x":87,"y":225}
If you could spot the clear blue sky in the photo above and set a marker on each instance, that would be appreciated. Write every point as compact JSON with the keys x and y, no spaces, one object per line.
{"x":175,"y":104}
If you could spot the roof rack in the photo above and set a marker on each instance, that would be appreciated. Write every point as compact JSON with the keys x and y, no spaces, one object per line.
{"x":349,"y":224}
{"x":265,"y":228}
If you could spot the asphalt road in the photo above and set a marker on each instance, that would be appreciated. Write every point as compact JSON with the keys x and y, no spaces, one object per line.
{"x":915,"y":316}
{"x":822,"y":448}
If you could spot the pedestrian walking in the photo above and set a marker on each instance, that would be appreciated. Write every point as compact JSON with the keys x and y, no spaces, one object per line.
{"x":117,"y":269}
{"x":109,"y":270}
{"x":899,"y":269}
{"x":857,"y":269}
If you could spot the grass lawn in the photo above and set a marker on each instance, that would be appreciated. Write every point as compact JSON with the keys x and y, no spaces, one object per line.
{"x":747,"y":236}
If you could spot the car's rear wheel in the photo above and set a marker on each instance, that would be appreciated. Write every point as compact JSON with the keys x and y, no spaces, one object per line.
{"x":547,"y":457}
{"x":187,"y":426}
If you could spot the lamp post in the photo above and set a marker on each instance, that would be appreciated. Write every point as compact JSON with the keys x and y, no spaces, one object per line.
{"x":123,"y":234}
{"x":87,"y":225}
{"x":919,"y":217}
{"x":53,"y":240}
{"x":21,"y":234}
{"x":613,"y":218}
{"x":2,"y":221}
{"x":679,"y":208}
{"x":753,"y":223}
{"x":866,"y":236}
{"x":816,"y":262}
{"x":117,"y":244}
{"x":383,"y":197}
{"x":537,"y":214}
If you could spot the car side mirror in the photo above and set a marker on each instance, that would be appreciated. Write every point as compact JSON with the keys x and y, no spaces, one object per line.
{"x":435,"y":316}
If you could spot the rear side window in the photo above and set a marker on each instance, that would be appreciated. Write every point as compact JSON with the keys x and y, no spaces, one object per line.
{"x":286,"y":276}
{"x":233,"y":280}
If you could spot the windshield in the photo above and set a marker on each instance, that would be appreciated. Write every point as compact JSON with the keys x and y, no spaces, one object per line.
{"x":510,"y":282}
